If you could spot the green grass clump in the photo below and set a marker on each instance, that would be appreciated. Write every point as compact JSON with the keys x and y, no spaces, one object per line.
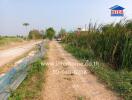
{"x":80,"y":52}
{"x":31,"y":87}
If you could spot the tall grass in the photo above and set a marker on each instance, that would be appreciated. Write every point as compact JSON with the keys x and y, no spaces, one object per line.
{"x":111,"y":42}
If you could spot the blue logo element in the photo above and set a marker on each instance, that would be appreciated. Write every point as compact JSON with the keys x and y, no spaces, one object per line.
{"x":117,"y":11}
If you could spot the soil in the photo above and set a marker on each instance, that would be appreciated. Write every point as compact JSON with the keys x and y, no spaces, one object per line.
{"x":68,"y":79}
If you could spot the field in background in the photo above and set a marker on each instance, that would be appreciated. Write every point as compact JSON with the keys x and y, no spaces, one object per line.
{"x":6,"y":41}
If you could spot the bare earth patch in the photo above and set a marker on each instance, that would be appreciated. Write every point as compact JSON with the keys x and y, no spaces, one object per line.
{"x":11,"y":55}
{"x":66,"y":81}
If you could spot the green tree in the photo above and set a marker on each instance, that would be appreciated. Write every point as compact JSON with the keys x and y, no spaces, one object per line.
{"x":35,"y":34}
{"x":50,"y":33}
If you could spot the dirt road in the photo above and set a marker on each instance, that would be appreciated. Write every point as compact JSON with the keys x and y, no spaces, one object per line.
{"x":68,"y":79}
{"x":10,"y":54}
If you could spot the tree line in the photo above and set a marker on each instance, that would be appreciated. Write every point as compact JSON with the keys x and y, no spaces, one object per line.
{"x":36,"y":34}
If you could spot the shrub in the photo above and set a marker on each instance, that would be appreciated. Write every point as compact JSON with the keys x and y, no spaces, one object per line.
{"x":35,"y":34}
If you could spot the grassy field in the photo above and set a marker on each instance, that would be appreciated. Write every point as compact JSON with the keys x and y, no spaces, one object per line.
{"x":31,"y":87}
{"x":9,"y":40}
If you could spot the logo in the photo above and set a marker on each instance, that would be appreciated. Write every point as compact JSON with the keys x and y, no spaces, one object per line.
{"x":117,"y":11}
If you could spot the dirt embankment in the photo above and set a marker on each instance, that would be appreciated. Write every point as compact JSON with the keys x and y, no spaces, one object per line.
{"x":9,"y":55}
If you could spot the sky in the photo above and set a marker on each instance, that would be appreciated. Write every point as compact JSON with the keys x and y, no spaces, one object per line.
{"x":68,"y":14}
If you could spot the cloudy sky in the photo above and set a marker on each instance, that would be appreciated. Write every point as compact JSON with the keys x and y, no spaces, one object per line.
{"x":68,"y":14}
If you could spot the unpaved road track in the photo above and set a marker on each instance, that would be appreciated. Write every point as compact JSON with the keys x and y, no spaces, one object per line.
{"x":63,"y":83}
{"x":8,"y":55}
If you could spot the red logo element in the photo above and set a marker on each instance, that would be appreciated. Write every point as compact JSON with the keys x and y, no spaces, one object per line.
{"x":117,"y":11}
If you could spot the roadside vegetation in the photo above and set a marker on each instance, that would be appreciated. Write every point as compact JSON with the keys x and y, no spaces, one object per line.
{"x":111,"y":46}
{"x":31,"y":87}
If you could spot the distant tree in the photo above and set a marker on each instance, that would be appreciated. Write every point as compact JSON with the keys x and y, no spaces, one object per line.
{"x":62,"y":33}
{"x":43,"y":33}
{"x":35,"y":34}
{"x":26,"y":25}
{"x":50,"y":33}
